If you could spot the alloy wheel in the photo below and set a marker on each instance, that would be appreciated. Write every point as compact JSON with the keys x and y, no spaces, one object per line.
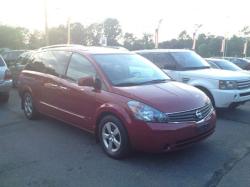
{"x":111,"y":137}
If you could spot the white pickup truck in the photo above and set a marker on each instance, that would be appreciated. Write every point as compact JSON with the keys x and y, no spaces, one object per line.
{"x":226,"y":89}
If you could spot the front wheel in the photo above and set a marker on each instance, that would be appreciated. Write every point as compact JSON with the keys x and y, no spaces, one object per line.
{"x":113,"y":137}
{"x":29,"y":107}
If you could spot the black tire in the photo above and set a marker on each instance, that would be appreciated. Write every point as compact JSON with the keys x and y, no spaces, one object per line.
{"x":14,"y":83}
{"x":233,"y":107}
{"x":209,"y":96}
{"x":124,"y":149}
{"x":29,"y":107}
{"x":5,"y":97}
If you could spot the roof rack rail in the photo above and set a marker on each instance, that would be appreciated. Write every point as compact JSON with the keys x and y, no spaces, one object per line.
{"x":60,"y":45}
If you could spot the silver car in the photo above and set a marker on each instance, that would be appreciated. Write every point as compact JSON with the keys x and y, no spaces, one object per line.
{"x":5,"y":81}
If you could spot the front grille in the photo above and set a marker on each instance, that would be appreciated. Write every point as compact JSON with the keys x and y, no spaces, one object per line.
{"x":243,"y":84}
{"x":191,"y":115}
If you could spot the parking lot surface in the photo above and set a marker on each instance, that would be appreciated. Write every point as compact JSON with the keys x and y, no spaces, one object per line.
{"x":50,"y":153}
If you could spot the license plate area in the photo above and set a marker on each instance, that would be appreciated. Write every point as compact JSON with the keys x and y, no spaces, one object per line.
{"x":203,"y":127}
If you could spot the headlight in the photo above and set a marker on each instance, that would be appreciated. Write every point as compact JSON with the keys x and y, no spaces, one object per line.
{"x":227,"y":85}
{"x":146,"y":113}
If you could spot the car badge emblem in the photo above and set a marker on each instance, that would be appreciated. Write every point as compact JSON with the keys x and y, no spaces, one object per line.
{"x":198,"y":114}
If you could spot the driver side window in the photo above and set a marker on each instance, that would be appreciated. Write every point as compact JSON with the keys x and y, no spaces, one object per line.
{"x":79,"y":67}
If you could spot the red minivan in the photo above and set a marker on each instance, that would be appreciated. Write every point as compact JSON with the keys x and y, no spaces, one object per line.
{"x":123,"y":99}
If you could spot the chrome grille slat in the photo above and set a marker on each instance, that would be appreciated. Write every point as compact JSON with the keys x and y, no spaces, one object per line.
{"x":190,"y":115}
{"x":243,"y":84}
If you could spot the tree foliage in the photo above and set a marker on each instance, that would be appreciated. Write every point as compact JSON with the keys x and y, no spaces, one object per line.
{"x":112,"y":30}
{"x":207,"y":45}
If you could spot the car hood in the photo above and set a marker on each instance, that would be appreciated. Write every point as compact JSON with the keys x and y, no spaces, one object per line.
{"x":166,"y":97}
{"x":216,"y":74}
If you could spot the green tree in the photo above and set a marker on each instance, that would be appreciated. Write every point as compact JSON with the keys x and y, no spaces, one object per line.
{"x":112,"y":31}
{"x":13,"y":37}
{"x":129,"y":40}
{"x":235,"y":46}
{"x":77,"y":33}
{"x":93,"y":34}
{"x":58,"y":35}
{"x":36,"y":40}
{"x":184,"y":36}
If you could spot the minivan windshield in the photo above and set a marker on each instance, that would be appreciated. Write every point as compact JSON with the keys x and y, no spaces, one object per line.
{"x":129,"y":69}
{"x":189,"y":60}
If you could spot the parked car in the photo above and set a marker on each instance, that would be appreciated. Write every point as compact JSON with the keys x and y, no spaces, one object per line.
{"x":241,"y":62}
{"x":11,"y":57}
{"x":225,"y":65}
{"x":121,"y":97}
{"x":19,"y":65}
{"x":5,"y":81}
{"x":224,"y":88}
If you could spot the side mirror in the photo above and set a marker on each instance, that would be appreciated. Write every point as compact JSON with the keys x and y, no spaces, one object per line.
{"x":91,"y":82}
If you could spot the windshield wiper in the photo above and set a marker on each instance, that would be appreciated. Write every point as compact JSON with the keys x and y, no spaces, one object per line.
{"x":196,"y":68}
{"x":141,"y":83}
{"x":127,"y":84}
{"x":154,"y":81}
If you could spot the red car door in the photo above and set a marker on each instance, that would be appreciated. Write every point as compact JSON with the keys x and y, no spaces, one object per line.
{"x":79,"y":102}
{"x":55,"y":63}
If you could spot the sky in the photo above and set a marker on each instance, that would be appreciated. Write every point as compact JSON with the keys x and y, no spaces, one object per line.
{"x":218,"y":17}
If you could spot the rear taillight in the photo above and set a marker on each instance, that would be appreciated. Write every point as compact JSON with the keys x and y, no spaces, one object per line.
{"x":7,"y":75}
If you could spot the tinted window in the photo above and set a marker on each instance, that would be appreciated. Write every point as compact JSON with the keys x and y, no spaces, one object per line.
{"x":35,"y":64}
{"x":227,"y":65}
{"x":129,"y":69}
{"x":55,"y":62}
{"x":79,"y":67}
{"x":50,"y":62}
{"x":213,"y":65}
{"x":24,"y":60}
{"x":241,"y":63}
{"x":189,"y":60}
{"x":148,"y":56}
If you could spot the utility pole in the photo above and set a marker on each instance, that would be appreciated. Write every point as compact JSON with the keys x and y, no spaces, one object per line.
{"x":197,"y":27}
{"x":46,"y":22}
{"x":157,"y":34}
{"x":69,"y":38}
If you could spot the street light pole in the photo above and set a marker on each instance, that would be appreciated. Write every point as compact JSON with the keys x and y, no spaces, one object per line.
{"x":157,"y":34}
{"x":69,"y":38}
{"x":198,"y":26}
{"x":46,"y":23}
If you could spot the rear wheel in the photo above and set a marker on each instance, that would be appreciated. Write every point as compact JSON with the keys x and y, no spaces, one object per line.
{"x":29,"y":107}
{"x":113,"y":137}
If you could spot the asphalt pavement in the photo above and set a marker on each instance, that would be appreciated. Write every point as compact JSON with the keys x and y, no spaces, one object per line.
{"x":49,"y":153}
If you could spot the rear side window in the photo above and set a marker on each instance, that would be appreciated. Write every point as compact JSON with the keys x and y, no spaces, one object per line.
{"x":55,"y":62}
{"x":79,"y":67}
{"x":1,"y":62}
{"x":50,"y":62}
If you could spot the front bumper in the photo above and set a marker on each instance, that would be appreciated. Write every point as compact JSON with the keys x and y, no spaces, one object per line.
{"x":154,"y":137}
{"x":5,"y":86}
{"x":224,"y":98}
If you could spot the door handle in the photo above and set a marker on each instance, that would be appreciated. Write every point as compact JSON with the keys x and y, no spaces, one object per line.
{"x":63,"y":88}
{"x":50,"y":85}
